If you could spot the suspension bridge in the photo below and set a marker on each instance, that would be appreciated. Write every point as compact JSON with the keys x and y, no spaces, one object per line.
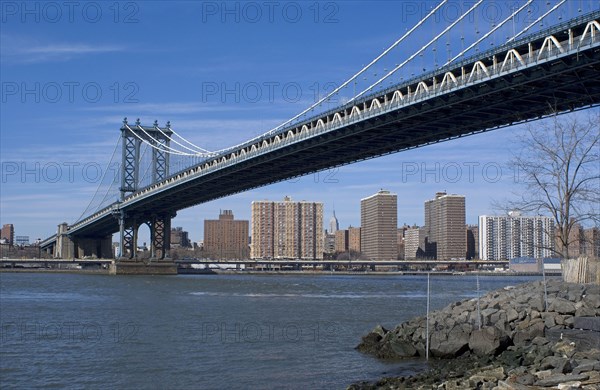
{"x":534,"y":72}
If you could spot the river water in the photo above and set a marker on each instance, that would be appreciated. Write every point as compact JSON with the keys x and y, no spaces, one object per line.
{"x":208,"y":332}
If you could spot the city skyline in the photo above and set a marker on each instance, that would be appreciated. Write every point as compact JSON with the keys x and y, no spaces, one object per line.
{"x":495,"y":237}
{"x":198,"y":230}
{"x":51,"y":166}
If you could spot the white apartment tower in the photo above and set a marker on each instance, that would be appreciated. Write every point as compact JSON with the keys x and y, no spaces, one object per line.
{"x":511,"y":236}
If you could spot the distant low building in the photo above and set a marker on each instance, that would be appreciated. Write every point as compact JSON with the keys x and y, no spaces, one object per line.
{"x":531,"y":265}
{"x":180,"y":238}
{"x":22,"y":240}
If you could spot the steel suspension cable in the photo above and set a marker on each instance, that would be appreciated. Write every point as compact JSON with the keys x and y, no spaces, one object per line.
{"x":101,"y":180}
{"x":417,"y":52}
{"x":197,"y":150}
{"x":107,"y":192}
{"x":537,"y":20}
{"x":162,"y":148}
{"x":364,"y":69}
{"x":188,"y":142}
{"x":489,"y":32}
{"x":347,"y":82}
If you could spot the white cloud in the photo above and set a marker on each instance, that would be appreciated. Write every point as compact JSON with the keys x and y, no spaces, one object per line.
{"x":69,"y":48}
{"x":161,"y":109}
{"x":24,"y":50}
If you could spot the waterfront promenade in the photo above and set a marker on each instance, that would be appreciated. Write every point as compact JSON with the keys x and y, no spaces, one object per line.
{"x":276,"y":267}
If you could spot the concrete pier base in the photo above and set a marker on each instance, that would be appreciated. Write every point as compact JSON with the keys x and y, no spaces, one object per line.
{"x":130,"y":267}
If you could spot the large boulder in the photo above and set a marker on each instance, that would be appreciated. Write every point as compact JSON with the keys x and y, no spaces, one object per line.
{"x":528,"y":330}
{"x":403,"y":349}
{"x":371,"y":344}
{"x":444,"y":344}
{"x":592,"y":300}
{"x":562,"y":306}
{"x":488,"y":341}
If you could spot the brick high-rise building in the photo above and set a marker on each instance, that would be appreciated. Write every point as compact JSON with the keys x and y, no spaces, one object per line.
{"x":591,"y":242}
{"x":287,"y":230}
{"x":582,"y":242}
{"x":8,"y":233}
{"x":445,"y":227}
{"x":226,"y":238}
{"x":472,"y":242}
{"x":379,"y":226}
{"x":341,"y":240}
{"x":354,"y":239}
{"x":576,"y":241}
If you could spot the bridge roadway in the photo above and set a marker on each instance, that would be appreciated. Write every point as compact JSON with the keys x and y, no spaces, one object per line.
{"x":526,"y":80}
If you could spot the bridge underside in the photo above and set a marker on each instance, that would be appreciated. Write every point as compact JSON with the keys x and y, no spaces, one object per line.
{"x":566,"y":84}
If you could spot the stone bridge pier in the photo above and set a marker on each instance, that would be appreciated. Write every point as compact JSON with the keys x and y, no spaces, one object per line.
{"x":99,"y":247}
{"x":160,"y":262}
{"x":75,"y":247}
{"x":160,"y":235}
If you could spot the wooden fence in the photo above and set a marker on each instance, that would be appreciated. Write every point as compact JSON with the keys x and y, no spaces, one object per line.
{"x":581,"y":270}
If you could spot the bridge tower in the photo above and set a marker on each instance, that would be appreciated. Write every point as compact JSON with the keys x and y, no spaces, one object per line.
{"x":159,"y":222}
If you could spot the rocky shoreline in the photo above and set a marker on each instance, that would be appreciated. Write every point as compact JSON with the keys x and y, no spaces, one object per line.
{"x":526,"y":337}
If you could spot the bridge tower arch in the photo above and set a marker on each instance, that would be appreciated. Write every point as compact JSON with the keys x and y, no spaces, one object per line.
{"x":132,"y":137}
{"x":129,"y":223}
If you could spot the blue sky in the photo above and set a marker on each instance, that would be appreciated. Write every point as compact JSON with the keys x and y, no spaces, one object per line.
{"x":222,"y":73}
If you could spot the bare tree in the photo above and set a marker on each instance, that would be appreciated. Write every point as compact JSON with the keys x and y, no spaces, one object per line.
{"x":558,"y":163}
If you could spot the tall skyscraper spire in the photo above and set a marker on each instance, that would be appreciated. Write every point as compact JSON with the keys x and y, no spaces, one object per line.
{"x":334,"y":225}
